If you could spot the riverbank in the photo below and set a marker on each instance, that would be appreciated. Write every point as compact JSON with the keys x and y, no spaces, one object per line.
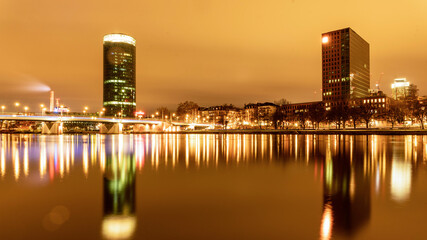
{"x":263,"y":131}
{"x":320,"y":131}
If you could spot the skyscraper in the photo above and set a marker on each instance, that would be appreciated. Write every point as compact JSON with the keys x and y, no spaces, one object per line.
{"x":119,"y":75}
{"x":403,"y":90}
{"x":345,"y":66}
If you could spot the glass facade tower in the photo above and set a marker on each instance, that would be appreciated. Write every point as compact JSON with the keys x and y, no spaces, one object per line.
{"x":119,"y":75}
{"x":345,"y":66}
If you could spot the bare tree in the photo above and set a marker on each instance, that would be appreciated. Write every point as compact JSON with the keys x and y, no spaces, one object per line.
{"x":282,"y":102}
{"x":317,"y":113}
{"x":395,"y":113}
{"x":419,"y":111}
{"x":366,"y":113}
{"x":163,"y":111}
{"x":187,"y":107}
{"x":354,"y":113}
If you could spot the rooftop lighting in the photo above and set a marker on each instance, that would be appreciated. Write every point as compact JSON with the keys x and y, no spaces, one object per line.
{"x":116,"y":37}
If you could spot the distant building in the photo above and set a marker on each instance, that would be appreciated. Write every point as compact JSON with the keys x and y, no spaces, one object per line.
{"x":259,"y":114}
{"x":379,"y":103}
{"x":227,"y":116}
{"x":295,"y":108}
{"x":345,"y":66}
{"x":403,"y":90}
{"x":119,"y":75}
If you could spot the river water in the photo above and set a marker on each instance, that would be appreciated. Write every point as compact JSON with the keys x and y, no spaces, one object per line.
{"x":213,"y":186}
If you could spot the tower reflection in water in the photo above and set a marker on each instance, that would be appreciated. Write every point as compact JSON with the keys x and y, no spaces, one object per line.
{"x":346,"y":189}
{"x":119,"y":220}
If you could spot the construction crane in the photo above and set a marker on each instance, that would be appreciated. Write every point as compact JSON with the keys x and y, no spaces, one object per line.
{"x":379,"y":81}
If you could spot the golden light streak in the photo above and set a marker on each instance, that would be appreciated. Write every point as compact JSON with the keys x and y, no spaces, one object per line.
{"x":67,"y":157}
{"x":166,"y":149}
{"x":173,"y":150}
{"x":401,"y":174}
{"x":3,"y":157}
{"x":153,"y":145}
{"x":85,"y":158}
{"x":72,"y":151}
{"x":187,"y":157}
{"x":93,"y":147}
{"x":16,"y":166}
{"x":327,"y":222}
{"x":43,"y":157}
{"x":26,"y":170}
{"x":61,"y":156}
{"x":157,"y":152}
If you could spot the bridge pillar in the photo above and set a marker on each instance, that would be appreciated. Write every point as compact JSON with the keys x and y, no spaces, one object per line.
{"x":4,"y":125}
{"x":111,"y":128}
{"x":52,"y":128}
{"x":166,"y":126}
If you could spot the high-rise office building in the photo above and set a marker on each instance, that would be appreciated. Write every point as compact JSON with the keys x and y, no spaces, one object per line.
{"x":345,"y":66}
{"x":403,"y":90}
{"x":119,"y":75}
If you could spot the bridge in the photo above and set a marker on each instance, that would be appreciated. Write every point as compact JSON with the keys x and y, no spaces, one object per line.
{"x":54,"y":124}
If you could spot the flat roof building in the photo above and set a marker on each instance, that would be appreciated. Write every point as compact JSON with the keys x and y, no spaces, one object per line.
{"x":119,"y":75}
{"x":345,"y":66}
{"x":403,"y":90}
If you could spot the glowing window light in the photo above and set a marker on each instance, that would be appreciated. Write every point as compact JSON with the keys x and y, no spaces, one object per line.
{"x":400,"y":84}
{"x":325,"y":39}
{"x":119,"y":103}
{"x":114,"y":81}
{"x":115,"y":37}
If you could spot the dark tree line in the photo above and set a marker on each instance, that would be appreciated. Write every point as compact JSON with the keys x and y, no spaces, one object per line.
{"x":339,"y":115}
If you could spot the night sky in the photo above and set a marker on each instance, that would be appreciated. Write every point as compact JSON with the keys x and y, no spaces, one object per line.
{"x":208,"y":51}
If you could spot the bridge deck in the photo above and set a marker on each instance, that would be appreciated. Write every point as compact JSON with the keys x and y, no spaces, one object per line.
{"x":91,"y":119}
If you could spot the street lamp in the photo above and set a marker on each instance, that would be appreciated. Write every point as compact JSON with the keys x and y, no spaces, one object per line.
{"x":17,"y":106}
{"x":2,"y":109}
{"x":42,"y":108}
{"x":25,"y":109}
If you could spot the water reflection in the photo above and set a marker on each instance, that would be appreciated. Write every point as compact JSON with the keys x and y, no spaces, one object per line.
{"x":346,"y":189}
{"x":119,"y":220}
{"x":352,"y":169}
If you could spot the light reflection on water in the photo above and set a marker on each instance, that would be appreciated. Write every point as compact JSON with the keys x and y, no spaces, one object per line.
{"x":350,"y":168}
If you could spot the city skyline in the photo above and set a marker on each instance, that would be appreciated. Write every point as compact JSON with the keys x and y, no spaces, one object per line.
{"x":210,"y":63}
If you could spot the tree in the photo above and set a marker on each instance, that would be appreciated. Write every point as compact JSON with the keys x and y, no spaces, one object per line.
{"x":333,"y":116}
{"x":278,"y":117}
{"x":366,"y":113}
{"x":419,"y":111}
{"x":162,"y":111}
{"x":395,"y":113}
{"x":354,"y":113}
{"x":187,"y":107}
{"x":339,"y":114}
{"x":316,"y":113}
{"x":302,"y":117}
{"x":282,"y":102}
